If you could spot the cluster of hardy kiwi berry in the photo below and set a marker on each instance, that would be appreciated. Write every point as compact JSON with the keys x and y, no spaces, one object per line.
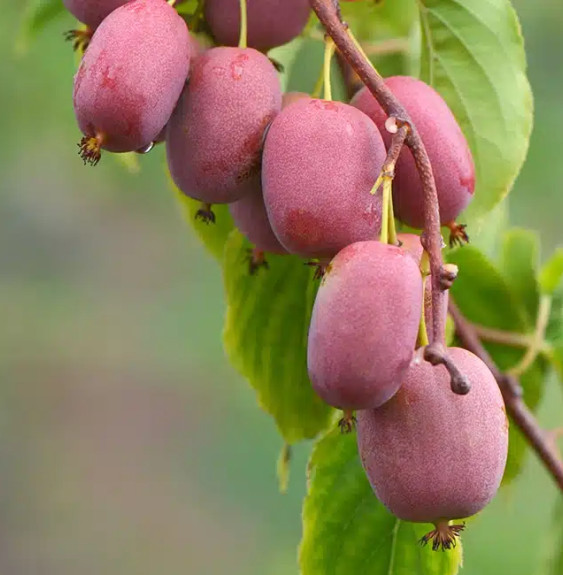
{"x":302,"y":175}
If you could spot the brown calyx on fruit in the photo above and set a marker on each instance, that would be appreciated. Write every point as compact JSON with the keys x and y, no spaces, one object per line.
{"x":205,"y":214}
{"x":256,"y":260}
{"x":348,"y":422}
{"x":322,"y":267}
{"x":444,"y":536}
{"x":91,"y":149}
{"x":458,"y":235}
{"x":79,"y":38}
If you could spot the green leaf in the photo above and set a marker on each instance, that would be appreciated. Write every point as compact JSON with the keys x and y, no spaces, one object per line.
{"x":483,"y":294}
{"x":283,"y":468}
{"x":556,"y":360}
{"x":555,"y":561}
{"x":486,"y":297}
{"x":266,"y":336}
{"x":518,"y":263}
{"x":213,"y":236}
{"x":473,"y":54}
{"x":347,"y":530}
{"x":552,"y":272}
{"x":38,"y":13}
{"x":370,"y":20}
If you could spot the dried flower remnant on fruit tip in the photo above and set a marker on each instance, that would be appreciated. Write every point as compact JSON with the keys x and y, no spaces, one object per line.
{"x":205,"y":214}
{"x":347,"y":423}
{"x":444,"y":536}
{"x":458,"y":235}
{"x":90,"y":149}
{"x":80,"y":38}
{"x":256,"y":259}
{"x":322,"y":267}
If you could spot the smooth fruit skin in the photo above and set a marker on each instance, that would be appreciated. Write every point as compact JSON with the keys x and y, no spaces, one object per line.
{"x":411,"y":243}
{"x":251,"y":218}
{"x":364,"y":325}
{"x":445,"y":143}
{"x":320,"y":162}
{"x":431,"y":454}
{"x":132,"y":75}
{"x":216,"y":133}
{"x":271,"y":23}
{"x":92,"y":12}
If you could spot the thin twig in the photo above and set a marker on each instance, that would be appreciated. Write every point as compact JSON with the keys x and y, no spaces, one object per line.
{"x":508,"y":338}
{"x":512,"y":394}
{"x":537,"y":340}
{"x":329,"y":15}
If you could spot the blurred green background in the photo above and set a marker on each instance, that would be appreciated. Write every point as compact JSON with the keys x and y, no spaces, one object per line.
{"x":128,"y":445}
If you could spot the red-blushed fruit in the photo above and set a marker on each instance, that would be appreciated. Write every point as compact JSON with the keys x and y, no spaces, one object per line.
{"x":131,"y":77}
{"x":411,"y":243}
{"x":364,"y":325}
{"x":445,"y":143}
{"x":320,"y":162}
{"x":215,"y":135}
{"x":92,"y":12}
{"x":196,"y":48}
{"x":432,"y":455}
{"x":251,"y":218}
{"x":271,"y":23}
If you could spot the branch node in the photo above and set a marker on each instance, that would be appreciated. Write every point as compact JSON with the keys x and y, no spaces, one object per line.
{"x":448,"y":274}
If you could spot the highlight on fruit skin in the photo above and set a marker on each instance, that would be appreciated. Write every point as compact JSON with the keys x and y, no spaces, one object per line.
{"x":320,"y":162}
{"x":433,"y":456}
{"x":364,"y":325}
{"x":215,"y":135}
{"x":271,"y":23}
{"x":448,"y":151}
{"x":118,"y":91}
